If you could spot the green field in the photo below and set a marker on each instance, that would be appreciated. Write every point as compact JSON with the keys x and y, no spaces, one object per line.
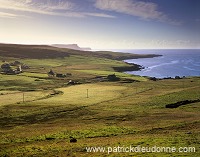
{"x":40,"y":114}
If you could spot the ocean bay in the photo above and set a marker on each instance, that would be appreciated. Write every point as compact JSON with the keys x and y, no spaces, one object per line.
{"x":177,"y":62}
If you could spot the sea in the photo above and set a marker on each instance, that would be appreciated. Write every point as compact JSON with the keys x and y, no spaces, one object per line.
{"x":176,"y":62}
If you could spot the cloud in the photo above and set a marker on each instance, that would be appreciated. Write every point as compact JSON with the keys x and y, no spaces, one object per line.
{"x":47,"y":7}
{"x":183,"y":42}
{"x":7,"y":15}
{"x":99,"y":15}
{"x":36,"y":6}
{"x":143,"y":10}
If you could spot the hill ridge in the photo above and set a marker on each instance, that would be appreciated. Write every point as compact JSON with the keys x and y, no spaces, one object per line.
{"x":46,"y":51}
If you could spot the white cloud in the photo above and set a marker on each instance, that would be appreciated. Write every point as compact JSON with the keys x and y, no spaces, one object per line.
{"x":143,"y":10}
{"x":183,"y":42}
{"x":7,"y":15}
{"x":47,"y":7}
{"x":99,"y":15}
{"x":42,"y":7}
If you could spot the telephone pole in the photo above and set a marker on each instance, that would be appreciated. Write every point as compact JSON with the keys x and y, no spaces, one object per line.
{"x":87,"y":94}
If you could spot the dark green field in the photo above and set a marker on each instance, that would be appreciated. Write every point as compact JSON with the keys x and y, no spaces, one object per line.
{"x":40,"y":114}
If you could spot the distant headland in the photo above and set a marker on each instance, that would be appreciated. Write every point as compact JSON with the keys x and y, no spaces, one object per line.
{"x":72,"y":46}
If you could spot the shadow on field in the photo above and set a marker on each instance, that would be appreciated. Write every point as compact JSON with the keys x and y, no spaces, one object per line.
{"x":23,"y":115}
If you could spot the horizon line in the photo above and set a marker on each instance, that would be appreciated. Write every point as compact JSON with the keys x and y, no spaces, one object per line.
{"x":95,"y":49}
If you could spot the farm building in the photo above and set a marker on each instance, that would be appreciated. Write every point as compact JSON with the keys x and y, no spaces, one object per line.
{"x":7,"y":69}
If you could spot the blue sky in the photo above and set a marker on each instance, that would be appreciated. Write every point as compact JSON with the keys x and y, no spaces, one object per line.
{"x":102,"y":24}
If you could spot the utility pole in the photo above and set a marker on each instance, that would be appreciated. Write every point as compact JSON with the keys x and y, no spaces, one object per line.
{"x":87,"y":94}
{"x":23,"y":97}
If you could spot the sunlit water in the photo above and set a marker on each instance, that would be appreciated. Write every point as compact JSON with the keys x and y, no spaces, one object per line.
{"x":172,"y":63}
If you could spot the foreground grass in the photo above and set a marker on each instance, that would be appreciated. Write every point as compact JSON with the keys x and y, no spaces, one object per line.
{"x":98,"y":114}
{"x":17,"y":97}
{"x":113,"y":115}
{"x":84,"y":95}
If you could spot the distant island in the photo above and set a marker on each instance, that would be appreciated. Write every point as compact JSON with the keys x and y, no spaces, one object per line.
{"x":72,"y":46}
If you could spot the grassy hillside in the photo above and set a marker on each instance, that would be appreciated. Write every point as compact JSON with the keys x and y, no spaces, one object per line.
{"x":112,"y":115}
{"x":45,"y":51}
{"x":39,"y":115}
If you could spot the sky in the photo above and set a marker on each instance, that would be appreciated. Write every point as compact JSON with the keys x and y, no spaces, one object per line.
{"x":102,"y":24}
